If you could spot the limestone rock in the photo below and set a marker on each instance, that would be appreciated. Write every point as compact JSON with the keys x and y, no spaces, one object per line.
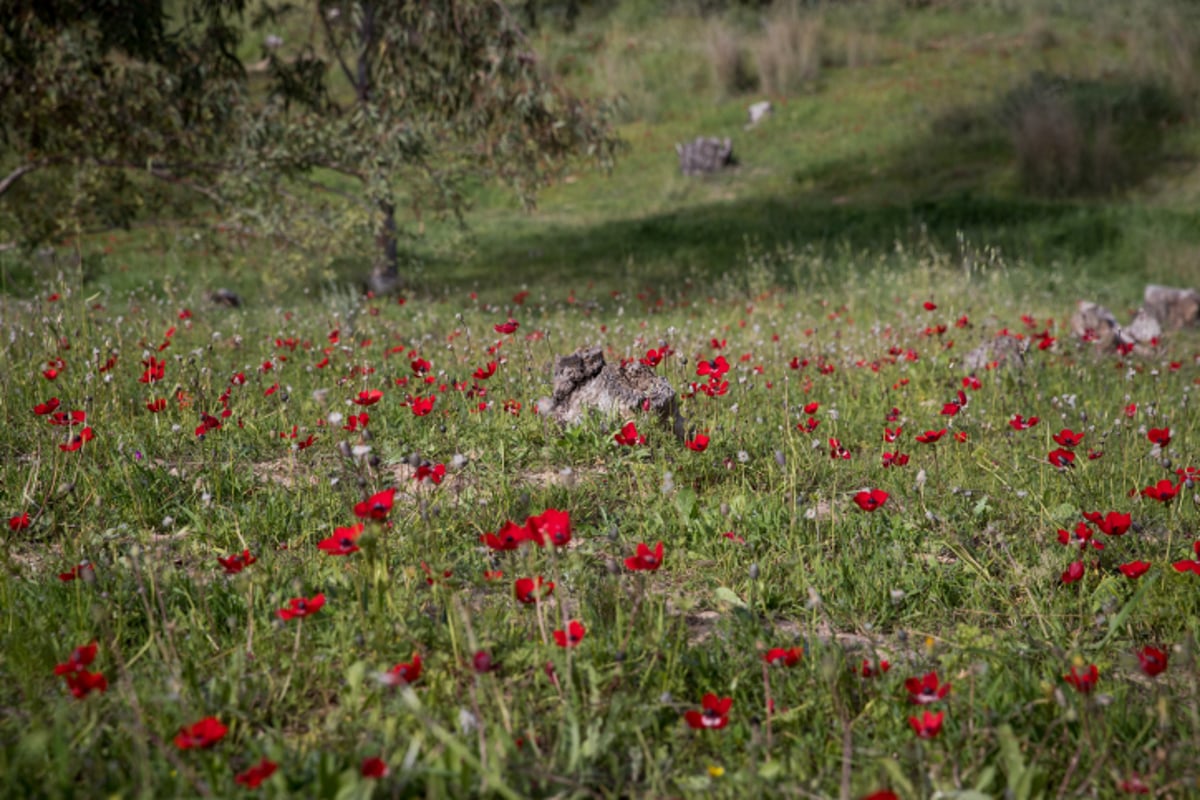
{"x":1173,"y":308}
{"x":1143,"y":330}
{"x":705,"y":155}
{"x":759,"y":111}
{"x":1095,"y":323}
{"x":1005,"y":351}
{"x":583,"y":382}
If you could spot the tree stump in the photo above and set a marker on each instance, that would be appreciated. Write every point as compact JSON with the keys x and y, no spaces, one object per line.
{"x":583,"y":382}
{"x":1173,"y":308}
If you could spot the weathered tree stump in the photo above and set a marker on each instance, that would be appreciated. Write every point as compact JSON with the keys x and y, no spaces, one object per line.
{"x":1173,"y":308}
{"x":583,"y":382}
{"x":705,"y":155}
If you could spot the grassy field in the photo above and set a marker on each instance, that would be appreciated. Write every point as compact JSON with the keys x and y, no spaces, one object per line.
{"x":872,"y":608}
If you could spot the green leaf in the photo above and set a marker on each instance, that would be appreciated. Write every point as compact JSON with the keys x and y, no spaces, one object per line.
{"x":897,"y":777}
{"x":729,"y":597}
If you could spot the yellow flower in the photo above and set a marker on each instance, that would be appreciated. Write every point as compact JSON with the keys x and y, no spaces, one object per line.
{"x":715,"y":770}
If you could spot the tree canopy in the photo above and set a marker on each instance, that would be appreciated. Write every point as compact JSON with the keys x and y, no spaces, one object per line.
{"x":383,"y":109}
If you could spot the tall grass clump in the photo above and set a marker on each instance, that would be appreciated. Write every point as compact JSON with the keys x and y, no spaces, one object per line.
{"x":732,"y":73}
{"x":788,"y":54}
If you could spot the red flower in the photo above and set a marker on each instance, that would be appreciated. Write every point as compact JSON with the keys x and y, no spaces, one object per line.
{"x":368,"y":397}
{"x":253,"y":777}
{"x":1074,"y":572}
{"x":928,"y":725}
{"x":531,"y":590}
{"x":645,"y":558}
{"x":1134,"y":569}
{"x":236,"y":563}
{"x":890,"y":435}
{"x":1082,"y":536}
{"x":81,"y":658}
{"x":1084,"y":681}
{"x":954,"y":406}
{"x":154,"y":371}
{"x":869,"y":670}
{"x":48,"y":407}
{"x":894,"y":460}
{"x":699,"y":443}
{"x":1061,"y":458}
{"x":507,"y":327}
{"x":715,"y":714}
{"x":926,"y":689}
{"x":82,"y":570}
{"x":629,"y":436}
{"x":1134,"y":785}
{"x":809,"y":425}
{"x":716,"y":368}
{"x":204,"y":733}
{"x":1019,"y":423}
{"x":19,"y":522}
{"x":301,"y":607}
{"x":373,"y":767}
{"x":572,"y":636}
{"x":422,"y":405}
{"x":836,"y":451}
{"x":377,"y":506}
{"x":482,"y":662}
{"x":1159,"y":436}
{"x":1164,"y":491}
{"x":68,"y":418}
{"x":1187,"y":565}
{"x":552,"y":525}
{"x":509,"y":537}
{"x":788,"y":657}
{"x":1152,"y":660}
{"x":343,"y":542}
{"x":155,"y":406}
{"x":929,"y":437}
{"x":1068,"y":438}
{"x":884,"y":794}
{"x":433,"y":474}
{"x":82,"y":682}
{"x":406,"y":672}
{"x":78,"y":440}
{"x":483,"y":373}
{"x":871,"y":499}
{"x":1112,"y":523}
{"x":930,"y":306}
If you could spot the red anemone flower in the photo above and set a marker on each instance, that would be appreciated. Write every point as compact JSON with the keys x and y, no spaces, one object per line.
{"x":1152,"y":660}
{"x":629,"y":436}
{"x":1019,"y":423}
{"x":869,"y":670}
{"x":254,"y":776}
{"x":890,"y":436}
{"x":871,"y":499}
{"x":343,"y":542}
{"x":509,"y":537}
{"x":421,"y":406}
{"x":531,"y":590}
{"x":483,"y":373}
{"x":68,"y":418}
{"x":836,"y":451}
{"x":884,"y":794}
{"x":929,"y":437}
{"x":299,"y":607}
{"x":894,"y":460}
{"x":715,"y":714}
{"x":82,"y":682}
{"x":80,"y":659}
{"x":507,"y":327}
{"x":645,"y":559}
{"x":404,"y":673}
{"x":1164,"y":491}
{"x":699,"y":443}
{"x":1073,"y":572}
{"x":1187,"y":565}
{"x":927,"y":726}
{"x":78,"y":440}
{"x":1083,"y":681}
{"x":1061,"y":458}
{"x":715,"y":368}
{"x":788,"y":657}
{"x":930,"y":305}
{"x":1082,"y":536}
{"x":1068,"y":438}
{"x":1159,"y":436}
{"x":18,"y":522}
{"x":373,"y":767}
{"x":368,"y":397}
{"x":377,"y":506}
{"x":926,"y":689}
{"x":1112,"y":523}
{"x":572,"y":636}
{"x":434,"y":474}
{"x":236,"y":563}
{"x":204,"y":733}
{"x":551,"y":525}
{"x":155,"y":406}
{"x":82,"y":570}
{"x":48,"y":407}
{"x":1134,"y":569}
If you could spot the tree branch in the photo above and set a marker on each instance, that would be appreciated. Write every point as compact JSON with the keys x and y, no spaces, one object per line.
{"x":7,"y":182}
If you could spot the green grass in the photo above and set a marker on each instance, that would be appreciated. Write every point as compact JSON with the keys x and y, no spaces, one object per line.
{"x":883,"y":186}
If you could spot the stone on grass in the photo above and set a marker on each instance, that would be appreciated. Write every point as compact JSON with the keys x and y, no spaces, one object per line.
{"x":224,"y":297}
{"x":705,"y":155}
{"x":584,"y":382}
{"x":759,"y":111}
{"x":1003,"y":351}
{"x":1173,"y":308}
{"x":1095,"y":323}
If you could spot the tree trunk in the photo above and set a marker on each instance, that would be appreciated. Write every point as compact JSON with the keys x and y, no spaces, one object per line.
{"x":385,"y":277}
